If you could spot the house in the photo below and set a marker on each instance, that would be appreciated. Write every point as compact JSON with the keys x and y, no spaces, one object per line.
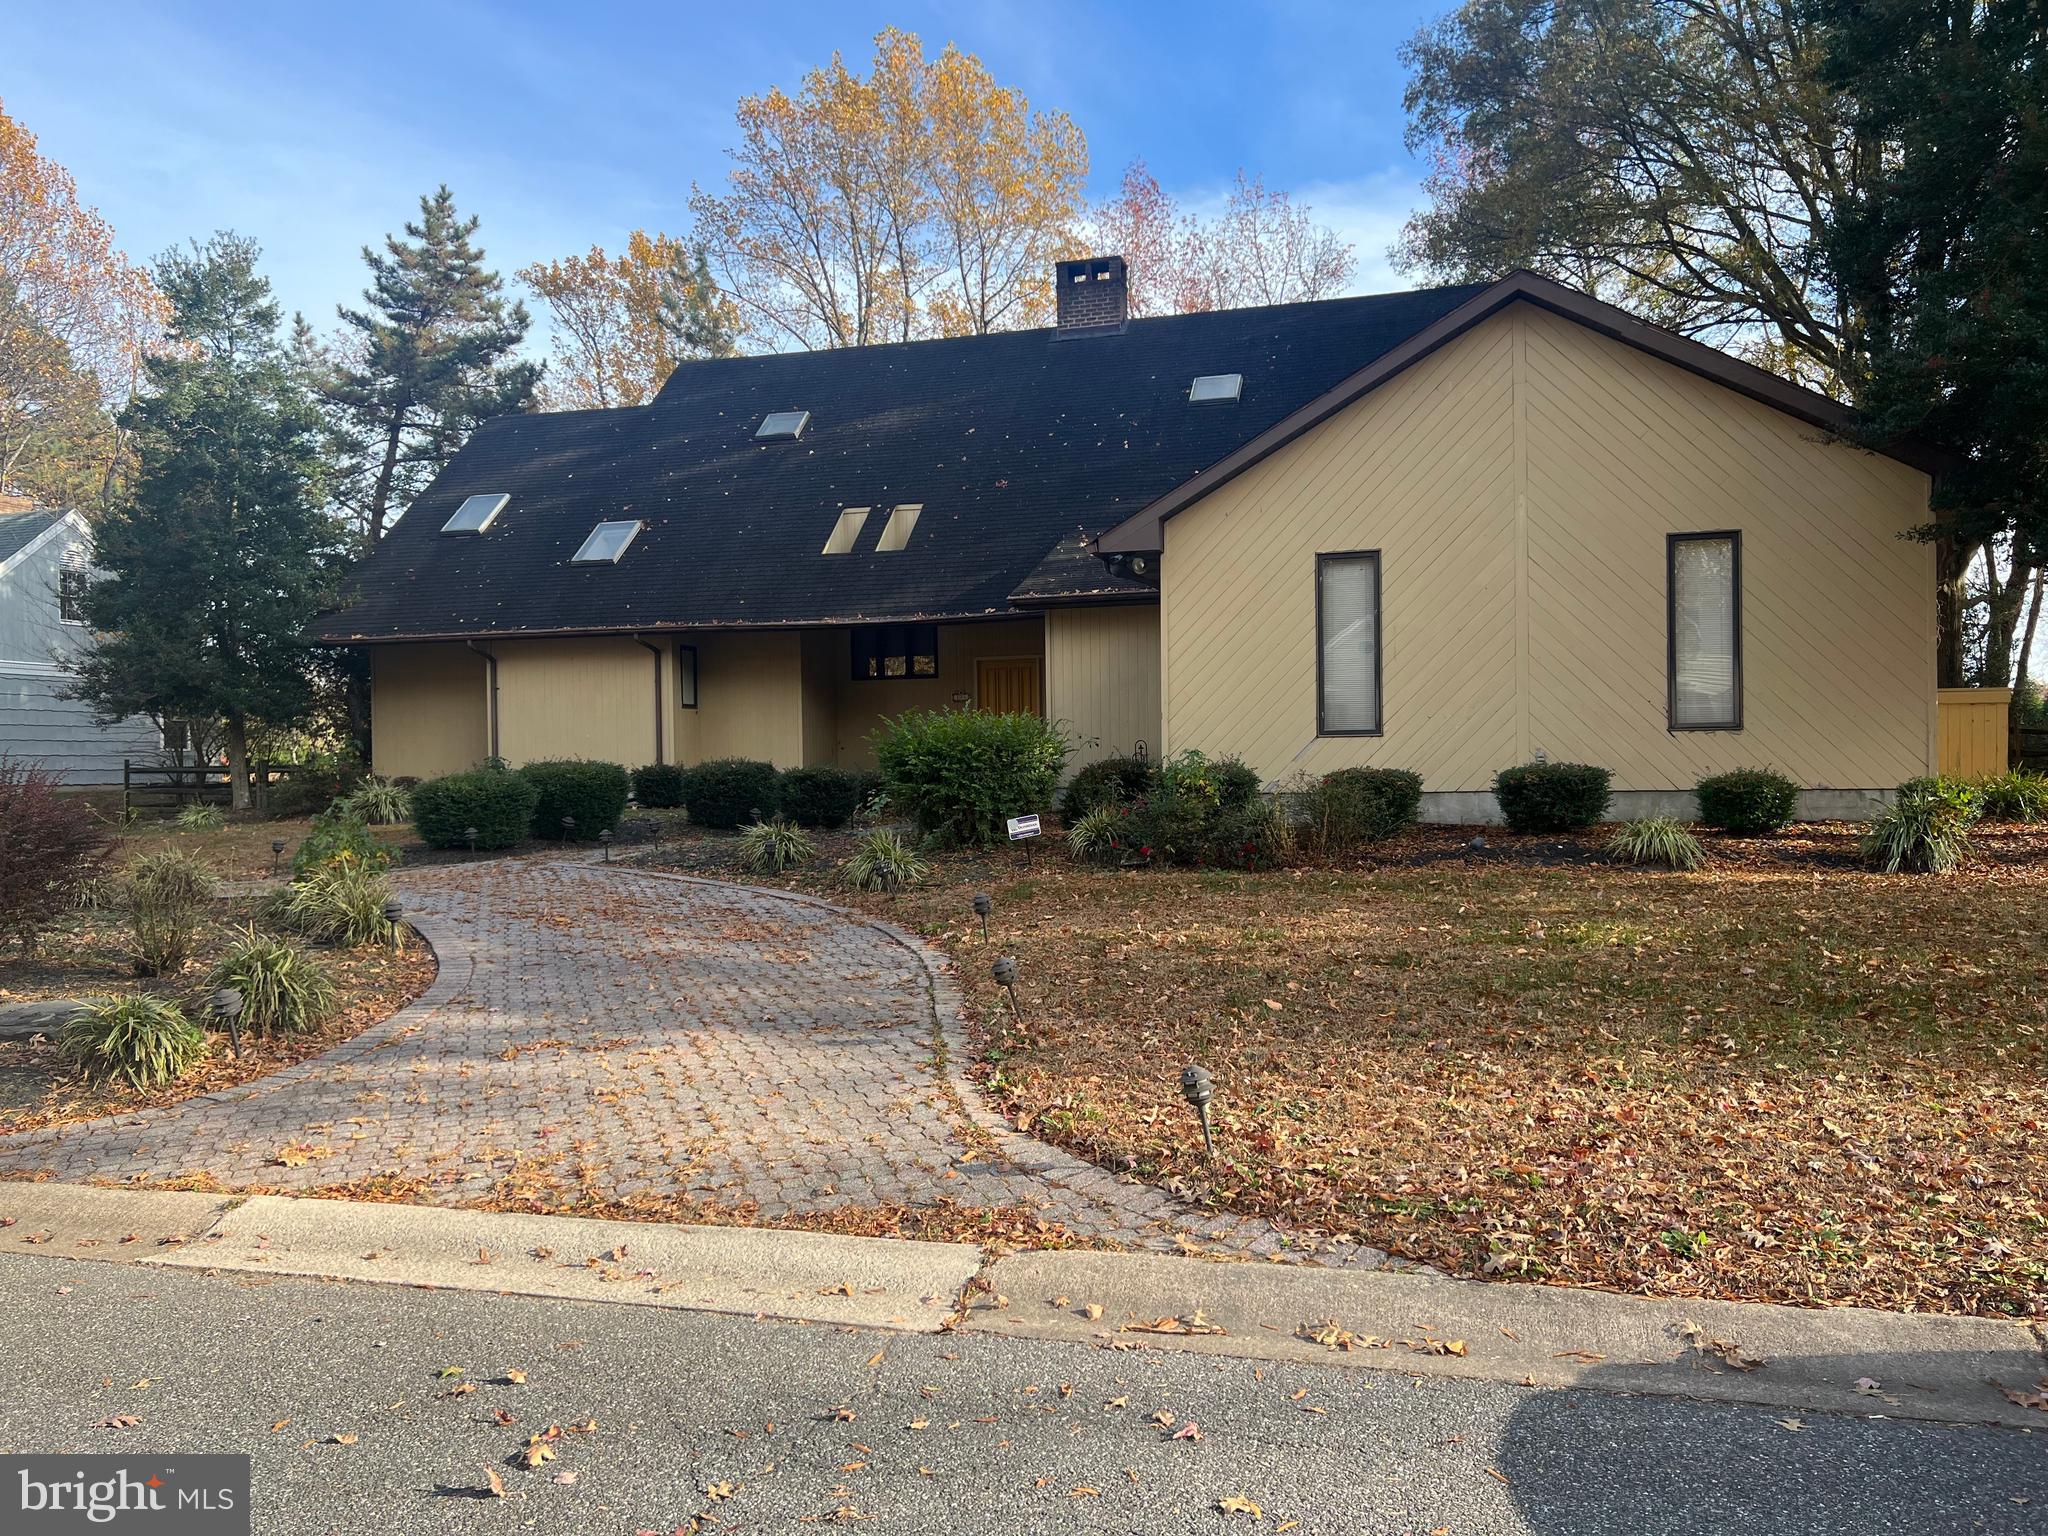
{"x":1448,"y":530}
{"x":44,"y":556}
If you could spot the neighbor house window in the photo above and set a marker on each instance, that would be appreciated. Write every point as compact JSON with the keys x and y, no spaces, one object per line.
{"x":71,"y":595}
{"x":1348,"y":644}
{"x":896,"y":650}
{"x":1704,"y":596}
{"x":686,"y":675}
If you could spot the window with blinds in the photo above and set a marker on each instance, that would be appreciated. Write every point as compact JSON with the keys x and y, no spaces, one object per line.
{"x":1348,"y":644}
{"x":1704,"y":595}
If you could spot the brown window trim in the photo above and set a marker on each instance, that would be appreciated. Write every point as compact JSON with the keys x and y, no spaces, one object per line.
{"x":1733,"y":537}
{"x":1379,"y":697}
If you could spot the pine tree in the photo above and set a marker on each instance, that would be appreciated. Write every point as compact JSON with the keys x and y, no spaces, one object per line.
{"x":428,"y":358}
{"x":211,"y":568}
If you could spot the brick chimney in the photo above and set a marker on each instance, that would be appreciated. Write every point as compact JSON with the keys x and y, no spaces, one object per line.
{"x":1094,"y":296}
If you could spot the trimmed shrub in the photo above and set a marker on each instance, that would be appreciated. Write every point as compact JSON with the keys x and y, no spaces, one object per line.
{"x":770,"y":847}
{"x":2015,"y":796}
{"x":959,"y":773}
{"x":338,"y":903}
{"x":166,"y":894}
{"x":377,"y":801}
{"x":820,"y":797}
{"x":659,"y":786}
{"x":1926,"y":830}
{"x":282,"y":986}
{"x":498,"y":804}
{"x":1552,"y":797}
{"x":52,"y":851}
{"x":1105,"y":782}
{"x":882,"y":861}
{"x":594,"y":794}
{"x":731,"y":791}
{"x":1223,"y":782}
{"x":144,"y":1041}
{"x":1748,"y":801}
{"x":1663,"y":841}
{"x":337,"y":834}
{"x":1361,"y":805}
{"x":1186,"y":826}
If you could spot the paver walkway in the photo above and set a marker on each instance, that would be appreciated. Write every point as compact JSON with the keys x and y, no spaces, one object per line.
{"x":603,"y":1030}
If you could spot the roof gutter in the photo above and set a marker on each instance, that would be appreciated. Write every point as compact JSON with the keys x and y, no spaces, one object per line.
{"x":491,"y":706}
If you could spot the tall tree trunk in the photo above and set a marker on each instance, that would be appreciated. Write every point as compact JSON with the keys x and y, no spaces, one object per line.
{"x":238,"y":762}
{"x":380,"y":494}
{"x":1951,"y":566}
{"x":2026,"y":669}
{"x":2007,"y":599}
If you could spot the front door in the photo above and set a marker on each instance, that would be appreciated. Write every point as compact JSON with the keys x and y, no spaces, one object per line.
{"x":1007,"y":684}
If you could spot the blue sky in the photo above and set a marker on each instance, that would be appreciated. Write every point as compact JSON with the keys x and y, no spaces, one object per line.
{"x":314,"y":128}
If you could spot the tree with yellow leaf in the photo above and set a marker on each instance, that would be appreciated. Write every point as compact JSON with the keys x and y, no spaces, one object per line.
{"x":622,"y":323}
{"x":75,"y":319}
{"x":921,"y":199}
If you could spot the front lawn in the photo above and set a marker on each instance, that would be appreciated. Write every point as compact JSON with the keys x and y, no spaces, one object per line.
{"x":1777,"y":1079}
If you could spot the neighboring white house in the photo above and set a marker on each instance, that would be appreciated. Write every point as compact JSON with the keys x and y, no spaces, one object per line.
{"x":43,"y":560}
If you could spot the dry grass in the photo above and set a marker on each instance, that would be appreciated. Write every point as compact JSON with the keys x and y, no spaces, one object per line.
{"x":240,"y":850}
{"x":1780,"y":1078}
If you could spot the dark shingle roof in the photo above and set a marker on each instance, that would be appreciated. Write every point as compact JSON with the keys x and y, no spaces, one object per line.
{"x":1017,"y":445}
{"x":17,"y":529}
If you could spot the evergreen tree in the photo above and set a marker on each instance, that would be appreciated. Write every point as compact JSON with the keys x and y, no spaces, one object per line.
{"x":212,"y":567}
{"x":1942,"y":251}
{"x":428,"y":358}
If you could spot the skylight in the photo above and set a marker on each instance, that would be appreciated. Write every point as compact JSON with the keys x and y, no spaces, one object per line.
{"x":1216,"y":387}
{"x":846,"y":531}
{"x":606,"y":543}
{"x":476,"y":514}
{"x":896,"y":532}
{"x":783,"y":424}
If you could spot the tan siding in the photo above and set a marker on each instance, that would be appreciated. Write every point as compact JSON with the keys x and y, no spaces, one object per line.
{"x":427,"y":710}
{"x":1102,"y":678}
{"x":750,"y":697}
{"x":1519,"y":484}
{"x":590,"y":698}
{"x":858,"y":707}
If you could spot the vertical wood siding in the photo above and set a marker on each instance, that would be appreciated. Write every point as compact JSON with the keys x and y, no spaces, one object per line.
{"x":1519,"y":485}
{"x":1975,"y":733}
{"x":590,"y":698}
{"x":428,"y":708}
{"x":1102,"y":678}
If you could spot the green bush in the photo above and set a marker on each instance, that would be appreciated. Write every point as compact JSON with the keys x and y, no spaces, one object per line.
{"x":1185,"y":824}
{"x":1551,"y":797}
{"x":1360,"y":805}
{"x":498,"y":804}
{"x":882,"y":861}
{"x":201,"y":818}
{"x":338,"y":903}
{"x":310,"y":788}
{"x":960,"y":773}
{"x":166,"y":896}
{"x":377,"y":801}
{"x":1926,"y":830}
{"x":821,"y":797}
{"x":1096,"y":837}
{"x":1749,"y":801}
{"x":2015,"y":796}
{"x":659,"y":786}
{"x":144,"y":1041}
{"x":1222,"y":782}
{"x":337,"y":834}
{"x":282,"y":986}
{"x":1106,"y":781}
{"x":731,"y":791}
{"x":1663,"y":841}
{"x":593,"y":794}
{"x":769,"y":847}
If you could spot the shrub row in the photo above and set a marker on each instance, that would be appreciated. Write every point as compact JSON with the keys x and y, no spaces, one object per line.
{"x":552,"y":799}
{"x":737,"y":791}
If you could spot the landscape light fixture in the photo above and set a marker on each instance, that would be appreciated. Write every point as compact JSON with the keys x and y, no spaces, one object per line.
{"x":227,"y":1013}
{"x":394,"y":910}
{"x":1005,"y":973}
{"x":1473,"y":850}
{"x":276,"y":852}
{"x":605,"y":837}
{"x":1198,"y":1088}
{"x":568,"y":828}
{"x":470,"y":833}
{"x":983,"y":905}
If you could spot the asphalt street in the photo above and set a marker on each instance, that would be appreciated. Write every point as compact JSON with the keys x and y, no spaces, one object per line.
{"x":380,"y":1410}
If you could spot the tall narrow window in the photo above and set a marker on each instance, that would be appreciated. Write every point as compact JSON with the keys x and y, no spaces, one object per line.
{"x":1704,"y":595}
{"x":71,"y":595}
{"x":1348,"y":644}
{"x":686,"y":676}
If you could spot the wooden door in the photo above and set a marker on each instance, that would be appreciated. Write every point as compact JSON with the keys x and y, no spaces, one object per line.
{"x":1007,"y":684}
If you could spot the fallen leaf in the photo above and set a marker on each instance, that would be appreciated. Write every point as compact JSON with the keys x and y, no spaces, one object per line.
{"x":1791,"y":1424}
{"x":1188,"y":1431}
{"x":564,"y":1478}
{"x":116,"y":1421}
{"x":1093,"y":1311}
{"x":494,"y":1483}
{"x":515,"y":1377}
{"x":1238,"y":1504}
{"x":341,"y":1439}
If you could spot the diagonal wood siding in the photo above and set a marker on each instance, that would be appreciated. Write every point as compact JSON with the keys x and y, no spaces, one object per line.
{"x":1520,"y":484}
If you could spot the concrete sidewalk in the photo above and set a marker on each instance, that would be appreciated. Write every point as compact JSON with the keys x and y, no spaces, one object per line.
{"x":1846,"y":1360}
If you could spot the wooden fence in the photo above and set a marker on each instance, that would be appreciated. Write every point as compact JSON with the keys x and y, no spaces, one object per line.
{"x":162,"y":785}
{"x":2030,"y":747}
{"x":1972,"y":732}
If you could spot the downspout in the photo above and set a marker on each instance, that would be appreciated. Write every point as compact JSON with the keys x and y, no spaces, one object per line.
{"x":659,"y":757}
{"x":491,"y":667}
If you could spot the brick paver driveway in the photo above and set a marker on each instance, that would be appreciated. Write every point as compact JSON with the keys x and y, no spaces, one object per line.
{"x":597,"y":1029}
